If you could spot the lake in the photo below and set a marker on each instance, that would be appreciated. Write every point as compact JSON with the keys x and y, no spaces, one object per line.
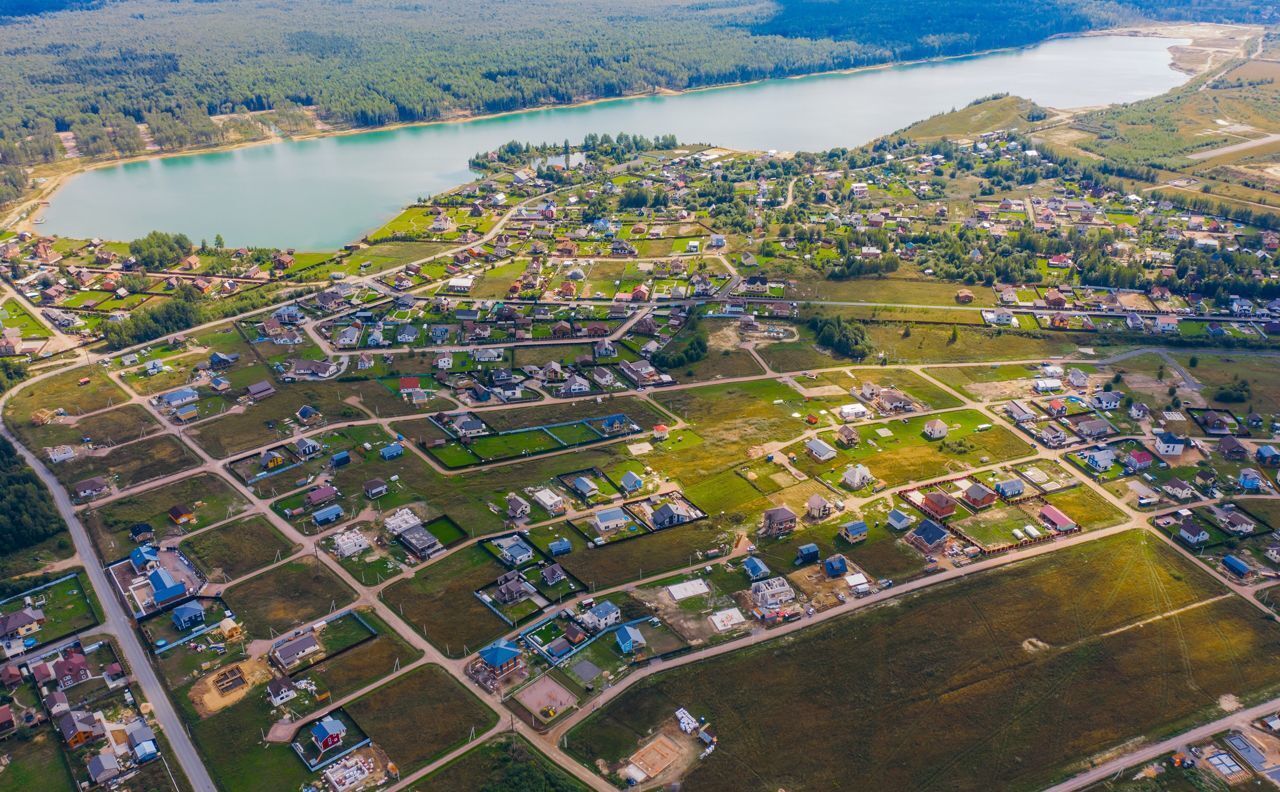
{"x":322,"y":193}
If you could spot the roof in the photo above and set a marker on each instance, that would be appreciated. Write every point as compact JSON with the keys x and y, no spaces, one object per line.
{"x":855,"y":527}
{"x":604,"y":610}
{"x":499,"y":653}
{"x":930,"y":532}
{"x":326,"y":726}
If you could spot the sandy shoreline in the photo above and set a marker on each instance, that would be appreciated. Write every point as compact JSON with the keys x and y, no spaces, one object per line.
{"x":21,"y":217}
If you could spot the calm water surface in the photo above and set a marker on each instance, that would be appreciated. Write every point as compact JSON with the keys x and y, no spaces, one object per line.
{"x":320,"y":194}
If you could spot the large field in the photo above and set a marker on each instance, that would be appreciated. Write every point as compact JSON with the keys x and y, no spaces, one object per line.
{"x":289,"y":595}
{"x":420,"y":715}
{"x":1040,"y":665}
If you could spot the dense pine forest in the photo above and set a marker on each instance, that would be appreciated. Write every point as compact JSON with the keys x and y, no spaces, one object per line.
{"x":99,"y":68}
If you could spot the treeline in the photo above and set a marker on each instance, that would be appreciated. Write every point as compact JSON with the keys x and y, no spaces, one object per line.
{"x":841,"y":336}
{"x":171,"y":65}
{"x":691,"y":352}
{"x":27,"y":514}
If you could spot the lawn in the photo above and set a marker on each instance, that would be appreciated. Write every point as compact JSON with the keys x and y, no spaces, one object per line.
{"x":1089,"y":509}
{"x":106,"y":428}
{"x":439,"y":602}
{"x":64,"y":391}
{"x":68,"y":608}
{"x":933,"y":344}
{"x":505,"y":762}
{"x":290,"y":595}
{"x":231,"y":551}
{"x":35,"y":763}
{"x":237,"y":432}
{"x":363,"y":664}
{"x":1021,"y":684}
{"x":420,"y":715}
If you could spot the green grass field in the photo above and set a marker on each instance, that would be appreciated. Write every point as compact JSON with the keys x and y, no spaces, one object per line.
{"x":420,"y":715}
{"x":236,"y":549}
{"x":131,"y":464}
{"x":438,"y":601}
{"x":1021,"y":684}
{"x":211,"y":497}
{"x":35,"y":763}
{"x":292,"y":594}
{"x":506,"y":762}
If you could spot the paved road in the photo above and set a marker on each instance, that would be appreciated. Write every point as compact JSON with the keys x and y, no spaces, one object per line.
{"x":119,"y":624}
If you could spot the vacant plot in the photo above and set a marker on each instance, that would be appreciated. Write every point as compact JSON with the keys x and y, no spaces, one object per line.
{"x":106,"y":428}
{"x":439,"y":601}
{"x":258,"y":423}
{"x":1021,"y":685}
{"x":65,"y":391}
{"x":209,"y":496}
{"x":364,"y":664}
{"x":933,"y":344}
{"x":505,"y":762}
{"x":290,"y":595}
{"x":35,"y":762}
{"x":1087,"y":507}
{"x":131,"y":464}
{"x":650,"y":554}
{"x":234,"y":550}
{"x":420,"y":715}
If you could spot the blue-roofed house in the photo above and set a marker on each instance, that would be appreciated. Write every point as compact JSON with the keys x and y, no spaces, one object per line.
{"x":1236,"y":567}
{"x":629,"y":639}
{"x":836,"y":565}
{"x":899,"y":520}
{"x":820,"y":450}
{"x":608,"y":520}
{"x":1010,"y":488}
{"x":341,"y":458}
{"x":180,"y":397}
{"x":187,"y":615}
{"x":142,"y":741}
{"x":328,"y":514}
{"x":559,"y":547}
{"x":631,"y":482}
{"x":143,"y":557}
{"x":306,"y":447}
{"x":513,"y":550}
{"x":807,"y":554}
{"x":853,"y":532}
{"x":606,"y":614}
{"x":615,"y":424}
{"x":500,"y":657}
{"x":164,"y":588}
{"x":222,"y":360}
{"x":755,"y":568}
{"x":327,"y":733}
{"x":928,"y":536}
{"x":1268,"y":455}
{"x":585,"y":487}
{"x":1250,"y":480}
{"x":391,"y":451}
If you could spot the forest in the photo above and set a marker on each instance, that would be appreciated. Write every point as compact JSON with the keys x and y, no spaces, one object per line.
{"x":192,"y":70}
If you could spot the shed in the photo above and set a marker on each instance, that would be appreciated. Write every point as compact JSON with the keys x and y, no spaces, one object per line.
{"x":327,"y":515}
{"x":807,"y":554}
{"x":1235,"y":566}
{"x":560,"y":547}
{"x":391,"y":451}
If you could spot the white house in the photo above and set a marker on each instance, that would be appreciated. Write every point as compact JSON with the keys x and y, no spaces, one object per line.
{"x":935,"y":429}
{"x":856,"y":476}
{"x":772,"y":594}
{"x":1106,"y":400}
{"x":1169,"y":444}
{"x":549,"y":501}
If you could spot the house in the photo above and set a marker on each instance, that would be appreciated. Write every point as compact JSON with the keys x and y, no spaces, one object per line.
{"x":517,"y":507}
{"x":60,"y":453}
{"x":187,"y":615}
{"x":847,"y":436}
{"x":1192,"y":533}
{"x":261,"y":390}
{"x":319,"y":496}
{"x":1047,"y":385}
{"x":820,"y":450}
{"x":856,"y":477}
{"x":292,"y":652}
{"x":1267,"y":455}
{"x":560,"y":546}
{"x":1019,"y":412}
{"x":164,"y":588}
{"x":500,"y":657}
{"x":1250,"y":480}
{"x":1010,"y":488}
{"x":1232,"y":449}
{"x":631,"y":482}
{"x":328,"y":733}
{"x":419,"y":541}
{"x":935,"y":429}
{"x":1138,"y":411}
{"x":1179,"y":489}
{"x":349,"y":543}
{"x":929,"y":536}
{"x":938,"y":504}
{"x":778,"y":521}
{"x":817,"y":507}
{"x":854,"y":412}
{"x":90,"y":488}
{"x":553,"y":574}
{"x":671,"y":513}
{"x":1138,"y":460}
{"x":1218,"y":423}
{"x":608,"y":520}
{"x":375,"y":488}
{"x":606,"y":614}
{"x":78,"y":727}
{"x":1169,"y":444}
{"x":585,"y":487}
{"x":629,"y":639}
{"x":1093,"y":428}
{"x":1077,"y":378}
{"x":772,"y":594}
{"x":21,"y":623}
{"x":71,"y":669}
{"x":755,"y":568}
{"x":899,"y":520}
{"x":391,"y":451}
{"x":979,"y":496}
{"x":1106,"y":400}
{"x":549,"y":501}
{"x":103,"y":767}
{"x":513,"y":550}
{"x":854,"y":532}
{"x":1053,"y":517}
{"x":281,"y":690}
{"x":327,"y":515}
{"x":1100,"y":459}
